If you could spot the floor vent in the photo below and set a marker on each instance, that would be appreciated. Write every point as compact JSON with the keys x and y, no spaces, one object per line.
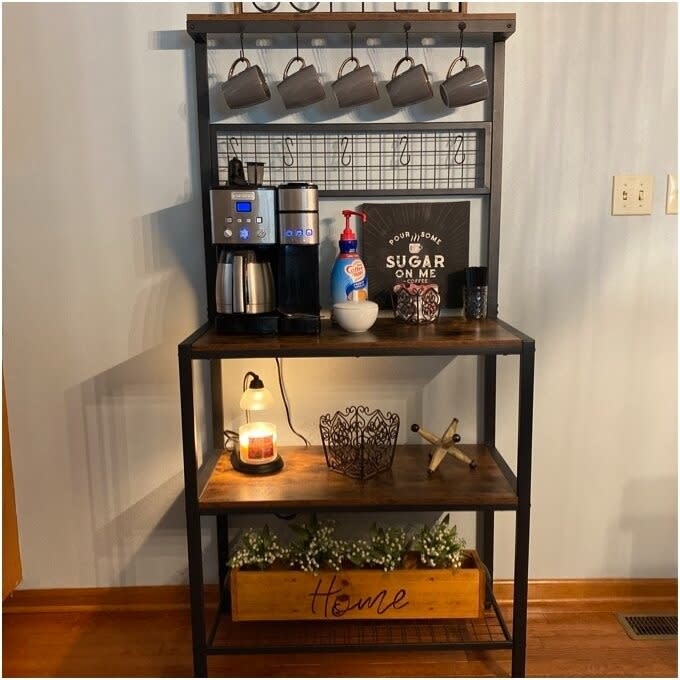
{"x":649,"y":626}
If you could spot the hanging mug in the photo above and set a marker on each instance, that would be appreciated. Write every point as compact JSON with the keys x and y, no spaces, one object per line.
{"x":465,"y":87}
{"x":356,"y":87}
{"x":246,"y":88}
{"x":301,"y":88}
{"x":409,"y":87}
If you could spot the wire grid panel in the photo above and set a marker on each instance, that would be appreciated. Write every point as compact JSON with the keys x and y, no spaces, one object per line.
{"x":401,"y":160}
{"x":298,"y":634}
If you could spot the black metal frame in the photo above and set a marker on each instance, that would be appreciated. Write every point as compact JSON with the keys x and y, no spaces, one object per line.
{"x":498,"y":30}
{"x":521,"y":483}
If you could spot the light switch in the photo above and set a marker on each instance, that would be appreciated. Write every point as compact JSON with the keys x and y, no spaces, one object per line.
{"x":672,"y":195}
{"x":632,"y":195}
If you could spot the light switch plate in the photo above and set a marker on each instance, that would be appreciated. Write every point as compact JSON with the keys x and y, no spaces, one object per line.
{"x":632,"y":195}
{"x":672,"y":195}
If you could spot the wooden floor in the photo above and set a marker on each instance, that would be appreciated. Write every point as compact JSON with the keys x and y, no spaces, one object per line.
{"x":566,"y":639}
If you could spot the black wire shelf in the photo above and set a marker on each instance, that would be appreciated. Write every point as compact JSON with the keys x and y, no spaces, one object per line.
{"x":379,"y":160}
{"x":487,"y":632}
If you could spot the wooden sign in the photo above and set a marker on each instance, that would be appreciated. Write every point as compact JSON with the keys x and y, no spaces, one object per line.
{"x":286,"y":595}
{"x":416,"y":243}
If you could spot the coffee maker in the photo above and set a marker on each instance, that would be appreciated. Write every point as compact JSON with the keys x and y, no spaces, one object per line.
{"x":298,"y":258}
{"x":267,"y":258}
{"x":244,"y":231}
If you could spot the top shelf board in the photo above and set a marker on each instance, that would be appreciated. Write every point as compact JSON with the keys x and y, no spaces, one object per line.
{"x":500,"y":26}
{"x":450,"y":336}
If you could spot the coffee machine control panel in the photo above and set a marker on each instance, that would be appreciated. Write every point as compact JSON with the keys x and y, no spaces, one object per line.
{"x":300,"y":229}
{"x":299,"y":214}
{"x":243,"y":216}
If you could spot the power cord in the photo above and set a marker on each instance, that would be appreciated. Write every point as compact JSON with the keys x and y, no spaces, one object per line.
{"x":231,"y":441}
{"x":284,"y":396}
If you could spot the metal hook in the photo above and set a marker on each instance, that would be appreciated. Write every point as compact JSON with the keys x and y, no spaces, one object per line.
{"x":297,"y":41}
{"x":288,"y":142}
{"x":407,"y":28}
{"x":402,"y":161}
{"x":351,"y":27}
{"x":232,"y":142}
{"x":242,"y":52}
{"x":461,"y":27}
{"x":343,"y":151}
{"x":458,"y":153}
{"x":266,"y":11}
{"x":304,"y":11}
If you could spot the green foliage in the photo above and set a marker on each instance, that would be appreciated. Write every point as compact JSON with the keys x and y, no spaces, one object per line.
{"x":314,"y":546}
{"x":257,"y":549}
{"x":439,"y":545}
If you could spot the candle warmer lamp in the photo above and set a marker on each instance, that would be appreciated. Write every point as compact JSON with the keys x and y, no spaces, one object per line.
{"x":257,"y":453}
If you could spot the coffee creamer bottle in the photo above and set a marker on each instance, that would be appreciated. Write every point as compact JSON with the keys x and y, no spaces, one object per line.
{"x":348,"y":277}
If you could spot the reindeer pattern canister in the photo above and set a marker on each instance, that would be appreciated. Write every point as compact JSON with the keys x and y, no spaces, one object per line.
{"x":416,"y":302}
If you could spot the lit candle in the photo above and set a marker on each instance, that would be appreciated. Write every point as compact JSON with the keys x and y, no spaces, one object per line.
{"x":257,"y":443}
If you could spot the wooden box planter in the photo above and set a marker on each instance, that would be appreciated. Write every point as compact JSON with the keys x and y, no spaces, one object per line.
{"x":282,"y":594}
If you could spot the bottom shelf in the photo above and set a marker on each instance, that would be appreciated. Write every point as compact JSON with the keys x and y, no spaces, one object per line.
{"x":488,"y":632}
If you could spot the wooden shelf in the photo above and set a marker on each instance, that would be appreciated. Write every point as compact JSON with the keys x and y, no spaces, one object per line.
{"x":449,"y":336}
{"x":306,"y":483}
{"x":501,"y":26}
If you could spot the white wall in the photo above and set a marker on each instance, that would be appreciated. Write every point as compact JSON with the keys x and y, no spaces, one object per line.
{"x":102,"y":272}
{"x":104,"y":275}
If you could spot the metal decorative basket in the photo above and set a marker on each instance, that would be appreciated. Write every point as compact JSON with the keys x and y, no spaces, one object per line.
{"x":359,"y":443}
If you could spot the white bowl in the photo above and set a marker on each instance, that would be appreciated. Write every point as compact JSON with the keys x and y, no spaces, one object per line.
{"x":355,"y":317}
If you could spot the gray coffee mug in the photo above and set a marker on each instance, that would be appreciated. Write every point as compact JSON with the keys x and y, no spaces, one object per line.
{"x":356,"y":87}
{"x":301,"y":88}
{"x":409,"y":87}
{"x":246,"y":88}
{"x":465,"y":87}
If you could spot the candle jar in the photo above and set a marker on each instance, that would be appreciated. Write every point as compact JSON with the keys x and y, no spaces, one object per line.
{"x":257,"y":443}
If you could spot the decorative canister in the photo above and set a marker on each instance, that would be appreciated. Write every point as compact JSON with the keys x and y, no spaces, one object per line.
{"x":416,"y":302}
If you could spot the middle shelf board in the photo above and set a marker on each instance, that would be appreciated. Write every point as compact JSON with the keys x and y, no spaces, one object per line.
{"x":306,"y":483}
{"x":449,"y":336}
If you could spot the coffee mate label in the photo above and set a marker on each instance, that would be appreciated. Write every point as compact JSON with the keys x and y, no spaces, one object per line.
{"x":356,"y":285}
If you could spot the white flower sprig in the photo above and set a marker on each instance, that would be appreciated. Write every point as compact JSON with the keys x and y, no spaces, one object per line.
{"x":315,"y":546}
{"x":258,"y":549}
{"x":384,"y":549}
{"x":439,"y":545}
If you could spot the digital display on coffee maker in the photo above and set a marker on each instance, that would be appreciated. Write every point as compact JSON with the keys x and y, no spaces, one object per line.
{"x":244,"y":206}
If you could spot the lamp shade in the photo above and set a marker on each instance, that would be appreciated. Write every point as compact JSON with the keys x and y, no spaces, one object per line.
{"x":256,"y":399}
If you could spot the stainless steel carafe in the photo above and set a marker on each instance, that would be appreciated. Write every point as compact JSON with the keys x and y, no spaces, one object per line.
{"x":224,"y":282}
{"x":253,"y":284}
